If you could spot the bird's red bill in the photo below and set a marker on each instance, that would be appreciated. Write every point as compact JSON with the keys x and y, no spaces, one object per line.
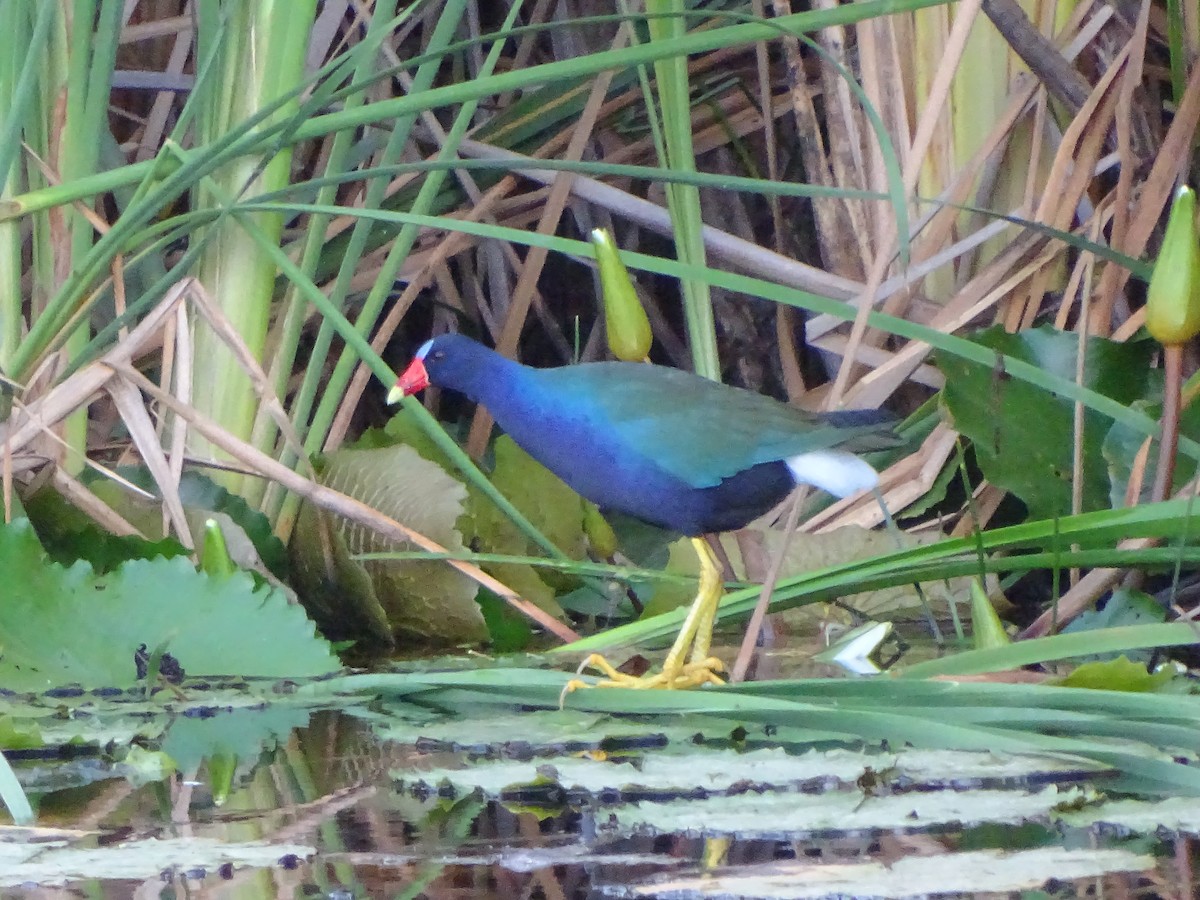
{"x":414,"y":378}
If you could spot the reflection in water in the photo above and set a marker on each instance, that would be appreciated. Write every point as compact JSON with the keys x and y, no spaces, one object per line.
{"x":357,"y":802}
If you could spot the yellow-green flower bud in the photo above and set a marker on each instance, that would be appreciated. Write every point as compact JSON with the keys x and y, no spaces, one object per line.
{"x":1173,"y":301}
{"x":600,"y":534}
{"x":986,"y":627}
{"x":628,"y":328}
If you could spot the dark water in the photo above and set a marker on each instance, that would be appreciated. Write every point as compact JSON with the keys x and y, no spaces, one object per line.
{"x":350,"y":818}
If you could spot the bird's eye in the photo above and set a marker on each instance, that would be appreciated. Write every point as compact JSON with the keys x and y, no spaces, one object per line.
{"x":439,"y":355}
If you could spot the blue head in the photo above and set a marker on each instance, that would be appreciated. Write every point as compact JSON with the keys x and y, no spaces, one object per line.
{"x":454,"y":362}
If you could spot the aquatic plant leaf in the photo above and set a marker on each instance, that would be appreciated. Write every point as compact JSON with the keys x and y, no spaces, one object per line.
{"x":141,"y":766}
{"x":681,"y":771}
{"x":1149,"y":738}
{"x":1124,"y":607}
{"x":239,"y":733}
{"x":252,"y":541}
{"x":415,"y":598}
{"x":18,"y":734}
{"x":510,"y":631}
{"x":1170,"y":814}
{"x":69,"y":625}
{"x":540,"y":496}
{"x":555,"y":509}
{"x":1122,"y":446}
{"x":1023,"y":436}
{"x":68,"y":535}
{"x":333,"y":586}
{"x":778,"y":815}
{"x":1120,"y":674}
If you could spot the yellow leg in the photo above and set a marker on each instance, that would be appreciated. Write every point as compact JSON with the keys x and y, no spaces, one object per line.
{"x":692,"y":643}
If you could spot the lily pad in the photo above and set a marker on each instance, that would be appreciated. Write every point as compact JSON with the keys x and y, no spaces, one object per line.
{"x":692,"y":772}
{"x":68,"y":535}
{"x":252,"y":542}
{"x":980,"y":872}
{"x":779,"y":816}
{"x":1120,"y":674}
{"x":68,"y":625}
{"x":140,"y":860}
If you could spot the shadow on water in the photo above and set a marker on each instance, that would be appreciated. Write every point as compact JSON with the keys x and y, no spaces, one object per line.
{"x":350,"y":806}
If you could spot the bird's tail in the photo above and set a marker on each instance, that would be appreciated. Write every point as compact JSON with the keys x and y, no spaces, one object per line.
{"x":866,"y":429}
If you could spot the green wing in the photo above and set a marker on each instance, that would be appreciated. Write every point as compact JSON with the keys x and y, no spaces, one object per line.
{"x":699,"y":430}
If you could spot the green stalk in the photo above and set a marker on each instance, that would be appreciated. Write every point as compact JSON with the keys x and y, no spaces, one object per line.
{"x":18,"y":85}
{"x":521,"y":79}
{"x":162,"y":180}
{"x":945,"y":559}
{"x":85,"y":129}
{"x":262,"y":47}
{"x":683,"y":201}
{"x":1176,"y":49}
{"x":295,"y":305}
{"x":313,"y":433}
{"x":378,"y":295}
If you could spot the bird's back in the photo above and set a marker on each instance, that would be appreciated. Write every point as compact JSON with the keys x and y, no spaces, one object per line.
{"x":701,"y":431}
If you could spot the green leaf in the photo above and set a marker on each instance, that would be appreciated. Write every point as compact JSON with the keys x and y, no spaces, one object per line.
{"x":541,"y":495}
{"x":68,"y":535}
{"x":1122,"y":445}
{"x":485,"y":527}
{"x":1054,"y":648}
{"x":1095,"y":534}
{"x":1023,"y":436}
{"x":18,"y":734}
{"x":333,"y":586}
{"x":510,"y":631}
{"x":201,"y":495}
{"x":231,"y":734}
{"x":68,"y":625}
{"x":1123,"y":607}
{"x":555,"y":509}
{"x":1120,"y":674}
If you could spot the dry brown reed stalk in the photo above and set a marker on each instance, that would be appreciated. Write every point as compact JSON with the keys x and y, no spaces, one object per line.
{"x":1170,"y":162}
{"x":720,"y":244}
{"x":834,"y":217}
{"x":1014,"y":284}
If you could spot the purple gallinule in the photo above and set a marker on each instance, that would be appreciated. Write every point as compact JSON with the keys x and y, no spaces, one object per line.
{"x":663,"y":445}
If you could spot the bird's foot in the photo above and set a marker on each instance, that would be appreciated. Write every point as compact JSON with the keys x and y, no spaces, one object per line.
{"x":676,"y":677}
